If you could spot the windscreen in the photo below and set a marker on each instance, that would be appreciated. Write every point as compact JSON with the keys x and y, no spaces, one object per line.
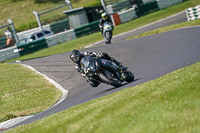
{"x":88,"y":63}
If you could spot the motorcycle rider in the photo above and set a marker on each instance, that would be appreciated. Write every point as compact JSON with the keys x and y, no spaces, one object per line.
{"x":104,"y":18}
{"x":76,"y":57}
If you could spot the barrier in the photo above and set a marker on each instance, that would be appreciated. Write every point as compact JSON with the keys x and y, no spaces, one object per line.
{"x":8,"y":53}
{"x":116,"y":19}
{"x":167,"y":3}
{"x":193,"y":13}
{"x":87,"y":29}
{"x":127,"y":15}
{"x":60,"y":37}
{"x":3,"y":42}
{"x":60,"y":26}
{"x":32,"y":46}
{"x":146,"y":8}
{"x":116,"y":7}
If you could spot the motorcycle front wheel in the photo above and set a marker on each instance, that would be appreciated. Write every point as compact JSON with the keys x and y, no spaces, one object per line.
{"x":130,"y":76}
{"x":108,"y":37}
{"x":108,"y":80}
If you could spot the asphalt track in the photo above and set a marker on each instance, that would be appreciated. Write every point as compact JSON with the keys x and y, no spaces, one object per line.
{"x":147,"y":57}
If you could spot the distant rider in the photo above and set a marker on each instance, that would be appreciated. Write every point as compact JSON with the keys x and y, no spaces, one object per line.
{"x":104,"y":18}
{"x":76,"y":57}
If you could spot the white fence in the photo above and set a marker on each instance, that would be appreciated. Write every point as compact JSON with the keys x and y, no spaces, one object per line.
{"x":127,"y":15}
{"x":167,"y":3}
{"x":193,"y":13}
{"x":60,"y":37}
{"x":8,"y":53}
{"x":119,"y":6}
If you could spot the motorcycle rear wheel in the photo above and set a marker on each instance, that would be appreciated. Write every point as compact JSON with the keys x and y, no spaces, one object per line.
{"x":107,"y":80}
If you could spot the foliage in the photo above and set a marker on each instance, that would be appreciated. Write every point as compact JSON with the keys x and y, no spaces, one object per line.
{"x":44,"y":1}
{"x":16,"y":0}
{"x":195,"y":2}
{"x":97,"y":3}
{"x":27,"y":26}
{"x":7,"y":117}
{"x":40,"y":1}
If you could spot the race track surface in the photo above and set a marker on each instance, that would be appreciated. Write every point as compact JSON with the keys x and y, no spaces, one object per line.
{"x":147,"y":57}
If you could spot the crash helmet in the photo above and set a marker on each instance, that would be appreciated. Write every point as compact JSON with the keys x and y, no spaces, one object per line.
{"x":104,"y":16}
{"x":75,"y":56}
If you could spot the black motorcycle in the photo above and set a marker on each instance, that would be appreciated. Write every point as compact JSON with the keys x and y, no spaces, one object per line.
{"x":102,"y":70}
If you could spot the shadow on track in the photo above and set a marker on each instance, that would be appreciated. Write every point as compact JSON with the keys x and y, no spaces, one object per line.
{"x":123,"y":84}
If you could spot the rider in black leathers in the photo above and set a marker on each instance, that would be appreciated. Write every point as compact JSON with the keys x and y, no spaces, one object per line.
{"x":76,"y":57}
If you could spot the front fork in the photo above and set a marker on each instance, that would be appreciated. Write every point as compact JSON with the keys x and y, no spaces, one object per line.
{"x":107,"y":32}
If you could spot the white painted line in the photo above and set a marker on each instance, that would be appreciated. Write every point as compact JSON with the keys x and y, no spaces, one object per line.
{"x":12,"y":122}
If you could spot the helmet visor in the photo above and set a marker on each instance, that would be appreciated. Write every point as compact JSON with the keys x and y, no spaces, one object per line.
{"x":76,"y":57}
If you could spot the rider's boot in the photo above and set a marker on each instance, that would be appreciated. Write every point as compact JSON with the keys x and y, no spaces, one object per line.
{"x":121,"y":68}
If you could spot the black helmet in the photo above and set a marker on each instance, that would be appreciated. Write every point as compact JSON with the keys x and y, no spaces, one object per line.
{"x":75,"y":56}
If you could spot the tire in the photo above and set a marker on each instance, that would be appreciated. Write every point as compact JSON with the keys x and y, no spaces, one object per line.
{"x":108,"y":36}
{"x":94,"y":83}
{"x":109,"y":42}
{"x":130,"y":76}
{"x":107,"y":80}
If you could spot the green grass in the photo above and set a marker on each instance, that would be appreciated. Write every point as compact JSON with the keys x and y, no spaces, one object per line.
{"x":81,"y":42}
{"x":168,"y":104}
{"x":23,"y":92}
{"x":168,"y":28}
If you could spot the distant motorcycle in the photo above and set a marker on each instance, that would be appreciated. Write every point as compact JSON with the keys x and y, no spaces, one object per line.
{"x":105,"y":71}
{"x":107,"y":32}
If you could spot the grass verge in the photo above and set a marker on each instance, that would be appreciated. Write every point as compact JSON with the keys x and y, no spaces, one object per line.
{"x":83,"y":41}
{"x":23,"y":92}
{"x":168,"y":104}
{"x":168,"y":28}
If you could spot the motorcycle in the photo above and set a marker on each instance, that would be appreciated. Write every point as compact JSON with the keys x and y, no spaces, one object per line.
{"x":107,"y":32}
{"x":105,"y":71}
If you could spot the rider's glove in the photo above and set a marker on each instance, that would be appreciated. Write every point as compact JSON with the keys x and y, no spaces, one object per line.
{"x":83,"y":74}
{"x":99,"y":55}
{"x":105,"y":55}
{"x":77,"y":68}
